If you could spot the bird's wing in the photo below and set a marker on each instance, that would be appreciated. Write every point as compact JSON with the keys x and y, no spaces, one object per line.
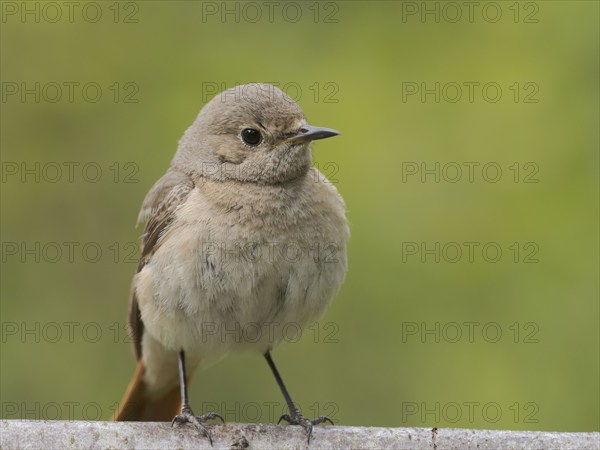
{"x":158,"y":208}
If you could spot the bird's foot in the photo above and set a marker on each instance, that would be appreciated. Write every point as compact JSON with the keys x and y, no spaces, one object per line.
{"x":187,"y":416}
{"x":295,"y":417}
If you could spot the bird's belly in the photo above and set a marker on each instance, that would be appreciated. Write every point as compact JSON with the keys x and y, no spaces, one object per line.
{"x":210,"y":293}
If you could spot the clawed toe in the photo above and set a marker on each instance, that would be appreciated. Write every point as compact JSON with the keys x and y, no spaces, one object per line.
{"x":322,"y":419}
{"x":296,"y":418}
{"x":187,"y":416}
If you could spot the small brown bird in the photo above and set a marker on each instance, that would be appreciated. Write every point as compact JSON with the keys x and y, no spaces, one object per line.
{"x":243,"y":236}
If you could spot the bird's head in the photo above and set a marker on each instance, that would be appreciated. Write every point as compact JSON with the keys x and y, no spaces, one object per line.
{"x":251,"y":133}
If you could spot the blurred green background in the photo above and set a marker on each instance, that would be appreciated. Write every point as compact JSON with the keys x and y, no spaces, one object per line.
{"x":348,"y":64}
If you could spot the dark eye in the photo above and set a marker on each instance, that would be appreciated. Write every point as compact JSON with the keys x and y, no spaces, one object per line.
{"x":251,"y":136}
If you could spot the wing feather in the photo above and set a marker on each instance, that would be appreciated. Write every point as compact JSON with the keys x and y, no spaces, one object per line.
{"x":159,"y":207}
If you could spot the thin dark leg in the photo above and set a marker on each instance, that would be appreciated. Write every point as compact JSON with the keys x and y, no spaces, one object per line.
{"x":279,"y":380}
{"x":187,"y":415}
{"x":294,"y":417}
{"x":185,"y":402}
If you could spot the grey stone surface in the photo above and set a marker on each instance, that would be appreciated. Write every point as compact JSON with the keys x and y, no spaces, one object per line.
{"x":30,"y":434}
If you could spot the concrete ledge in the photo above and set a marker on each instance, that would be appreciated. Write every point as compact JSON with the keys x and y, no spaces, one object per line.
{"x":29,"y":434}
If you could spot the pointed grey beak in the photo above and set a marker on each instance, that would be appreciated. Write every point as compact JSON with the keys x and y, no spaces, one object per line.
{"x":309,"y":133}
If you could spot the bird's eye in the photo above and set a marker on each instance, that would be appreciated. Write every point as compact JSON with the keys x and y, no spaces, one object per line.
{"x":251,"y":136}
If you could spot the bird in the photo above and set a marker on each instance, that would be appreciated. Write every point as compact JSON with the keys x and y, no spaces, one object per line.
{"x":215,"y":258}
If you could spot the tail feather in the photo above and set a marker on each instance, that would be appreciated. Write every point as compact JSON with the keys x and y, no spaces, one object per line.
{"x":138,"y":406}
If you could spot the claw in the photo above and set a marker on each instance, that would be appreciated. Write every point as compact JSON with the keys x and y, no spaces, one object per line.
{"x":296,"y":418}
{"x":322,"y":419}
{"x":213,"y":415}
{"x":187,"y":416}
{"x":285,"y":417}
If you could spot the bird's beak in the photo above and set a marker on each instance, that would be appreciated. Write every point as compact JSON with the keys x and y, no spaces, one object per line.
{"x":309,"y":133}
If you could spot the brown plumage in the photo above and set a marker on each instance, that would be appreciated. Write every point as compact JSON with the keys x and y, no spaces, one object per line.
{"x":137,"y":406}
{"x":242,"y":174}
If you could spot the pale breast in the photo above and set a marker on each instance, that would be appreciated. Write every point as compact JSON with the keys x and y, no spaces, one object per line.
{"x":239,"y":266}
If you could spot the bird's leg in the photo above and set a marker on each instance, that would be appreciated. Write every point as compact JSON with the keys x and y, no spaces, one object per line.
{"x":187,"y":415}
{"x":295,"y":417}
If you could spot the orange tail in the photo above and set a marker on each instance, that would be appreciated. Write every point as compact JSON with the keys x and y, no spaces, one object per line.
{"x":137,"y":406}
